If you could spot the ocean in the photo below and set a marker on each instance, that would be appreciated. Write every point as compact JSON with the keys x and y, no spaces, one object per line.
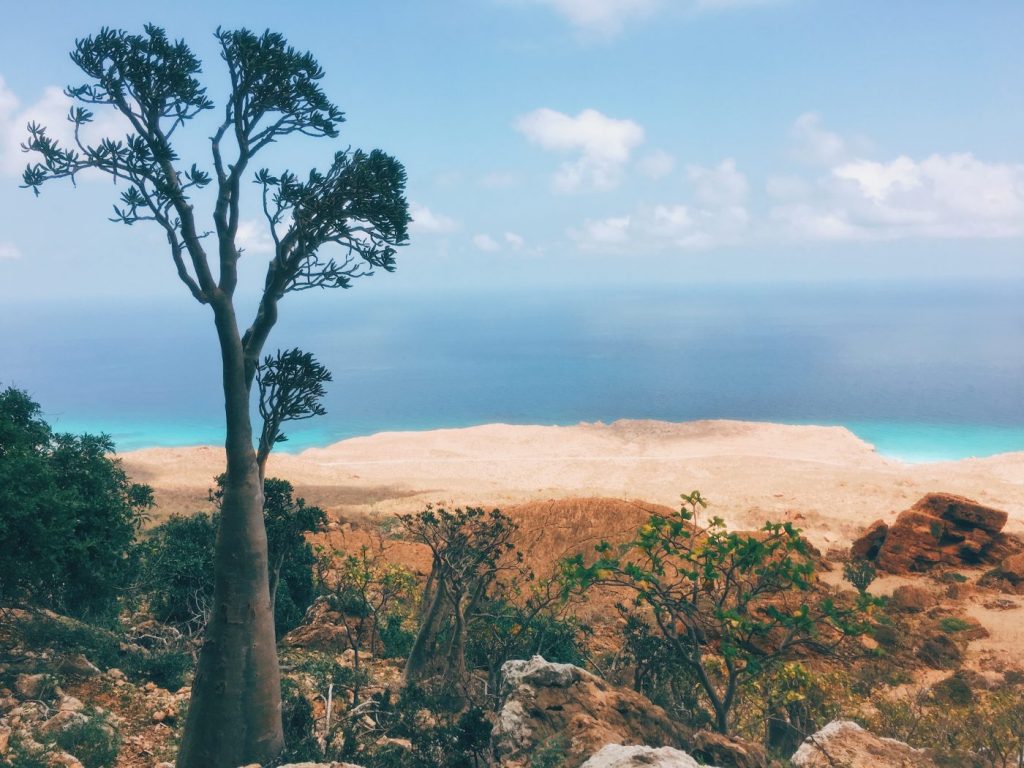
{"x":925,"y":371}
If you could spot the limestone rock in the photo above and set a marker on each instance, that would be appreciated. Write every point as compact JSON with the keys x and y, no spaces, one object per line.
{"x":31,"y":686}
{"x":61,"y":721}
{"x":622,"y":756}
{"x":78,"y":666}
{"x":545,"y":701}
{"x":843,"y":742}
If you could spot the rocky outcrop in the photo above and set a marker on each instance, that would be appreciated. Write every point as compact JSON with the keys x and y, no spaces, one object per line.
{"x":547,"y":704}
{"x":940,"y":529}
{"x":622,"y":756}
{"x":866,"y":546}
{"x":322,"y":629}
{"x":843,"y":742}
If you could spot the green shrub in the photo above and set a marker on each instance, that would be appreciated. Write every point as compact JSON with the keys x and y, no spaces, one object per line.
{"x":951,"y":625}
{"x":177,"y":561}
{"x":72,"y":512}
{"x":396,"y":638}
{"x":167,"y":668}
{"x":297,"y":717}
{"x":93,"y":741}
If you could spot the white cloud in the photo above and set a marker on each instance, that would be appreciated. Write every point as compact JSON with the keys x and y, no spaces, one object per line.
{"x":425,"y":221}
{"x":855,"y":197}
{"x":814,"y":144}
{"x":721,"y":186}
{"x":486,"y":243}
{"x":51,"y":111}
{"x":602,"y":18}
{"x":717,"y":217}
{"x":514,"y":241}
{"x":254,"y":236}
{"x":603,"y":144}
{"x":657,"y":164}
{"x":9,"y":251}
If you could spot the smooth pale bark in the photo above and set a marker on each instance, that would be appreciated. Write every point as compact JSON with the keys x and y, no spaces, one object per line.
{"x":234,"y":717}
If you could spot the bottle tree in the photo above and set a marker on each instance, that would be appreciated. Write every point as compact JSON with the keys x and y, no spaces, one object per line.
{"x":328,"y":228}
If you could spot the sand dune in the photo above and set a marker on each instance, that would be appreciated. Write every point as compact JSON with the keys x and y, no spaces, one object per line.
{"x":824,"y":478}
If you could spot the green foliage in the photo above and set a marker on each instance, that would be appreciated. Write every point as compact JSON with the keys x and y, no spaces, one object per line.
{"x":169,"y":668}
{"x":860,"y":573}
{"x":396,"y":638}
{"x":176,"y":574}
{"x":731,"y":605}
{"x":71,"y":511}
{"x":551,"y":754}
{"x":503,"y":630}
{"x":297,"y":718}
{"x":177,"y":556}
{"x":951,"y":625}
{"x":440,"y":737}
{"x":94,"y":742}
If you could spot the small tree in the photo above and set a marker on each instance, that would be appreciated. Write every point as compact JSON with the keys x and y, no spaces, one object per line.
{"x":860,"y":574}
{"x":468,"y":550}
{"x":365,"y":588}
{"x":291,"y":386}
{"x":731,"y":605}
{"x":68,"y":515}
{"x":357,"y":206}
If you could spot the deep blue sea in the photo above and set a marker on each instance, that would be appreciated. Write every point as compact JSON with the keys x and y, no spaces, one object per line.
{"x":923,"y":371}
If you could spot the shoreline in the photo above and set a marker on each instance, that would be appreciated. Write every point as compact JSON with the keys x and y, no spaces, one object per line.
{"x":825,"y":479}
{"x":906,"y":442}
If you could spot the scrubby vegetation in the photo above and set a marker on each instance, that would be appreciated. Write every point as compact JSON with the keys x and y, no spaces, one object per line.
{"x":384,"y":666}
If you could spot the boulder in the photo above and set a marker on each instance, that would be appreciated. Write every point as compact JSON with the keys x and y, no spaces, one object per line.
{"x":963,"y":512}
{"x":32,"y":686}
{"x":910,"y":599}
{"x":633,"y":756}
{"x":939,"y":651}
{"x":866,"y":546}
{"x":727,"y":751}
{"x":544,"y":702}
{"x":843,"y":742}
{"x":322,"y":629}
{"x":64,"y":719}
{"x":78,"y":666}
{"x":939,"y":530}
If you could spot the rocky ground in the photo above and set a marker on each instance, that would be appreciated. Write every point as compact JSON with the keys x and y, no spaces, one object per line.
{"x":951,"y":582}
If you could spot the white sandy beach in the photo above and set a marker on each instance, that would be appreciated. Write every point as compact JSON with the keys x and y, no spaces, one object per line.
{"x":825,"y":479}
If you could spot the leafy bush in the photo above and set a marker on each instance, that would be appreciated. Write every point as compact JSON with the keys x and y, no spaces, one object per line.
{"x":93,"y":741}
{"x":72,"y":511}
{"x":176,"y":573}
{"x":168,"y":668}
{"x":177,"y":561}
{"x":952,"y":625}
{"x":860,"y":573}
{"x":396,"y":638}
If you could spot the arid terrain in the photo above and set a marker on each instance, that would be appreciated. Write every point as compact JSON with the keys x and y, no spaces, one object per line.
{"x":824,"y":479}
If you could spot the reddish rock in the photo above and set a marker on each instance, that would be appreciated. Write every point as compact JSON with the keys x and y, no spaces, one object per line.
{"x":867,"y":545}
{"x":911,"y":599}
{"x":1012,"y":569}
{"x":962,"y":511}
{"x":942,"y":529}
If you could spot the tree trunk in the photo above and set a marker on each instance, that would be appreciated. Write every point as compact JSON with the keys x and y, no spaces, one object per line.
{"x":234,"y":717}
{"x":424,"y":647}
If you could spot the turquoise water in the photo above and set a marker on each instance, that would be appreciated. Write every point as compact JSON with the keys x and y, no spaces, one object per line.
{"x":924,"y":372}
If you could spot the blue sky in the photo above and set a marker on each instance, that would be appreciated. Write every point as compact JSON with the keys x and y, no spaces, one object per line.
{"x":561,"y":143}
